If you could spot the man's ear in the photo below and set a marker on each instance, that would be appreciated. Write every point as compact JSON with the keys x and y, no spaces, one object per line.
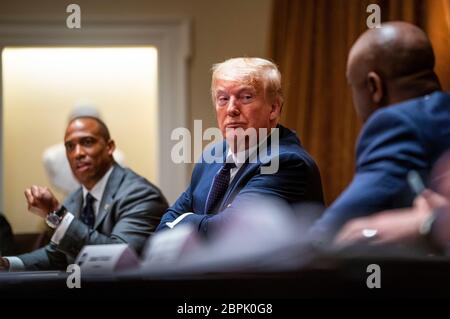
{"x":276,"y":109}
{"x":111,"y":147}
{"x":375,"y":85}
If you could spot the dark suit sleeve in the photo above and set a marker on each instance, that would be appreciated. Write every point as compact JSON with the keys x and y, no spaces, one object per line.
{"x":45,"y":258}
{"x":137,"y":214}
{"x":181,"y":206}
{"x":290,"y":183}
{"x":389,"y":147}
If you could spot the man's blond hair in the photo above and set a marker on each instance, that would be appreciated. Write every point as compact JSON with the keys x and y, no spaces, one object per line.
{"x":256,"y":72}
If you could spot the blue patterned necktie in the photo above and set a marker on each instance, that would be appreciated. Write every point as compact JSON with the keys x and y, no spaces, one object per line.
{"x":219,"y":187}
{"x":87,"y":214}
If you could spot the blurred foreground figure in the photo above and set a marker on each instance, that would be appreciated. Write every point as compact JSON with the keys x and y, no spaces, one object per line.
{"x":428,"y":221}
{"x":397,"y":94}
{"x":263,"y":235}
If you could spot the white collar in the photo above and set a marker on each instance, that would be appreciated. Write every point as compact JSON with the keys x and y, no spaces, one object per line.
{"x":239,"y":158}
{"x":99,"y":188}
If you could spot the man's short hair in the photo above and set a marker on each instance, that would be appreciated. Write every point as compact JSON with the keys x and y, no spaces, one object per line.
{"x":104,"y":131}
{"x":251,"y":71}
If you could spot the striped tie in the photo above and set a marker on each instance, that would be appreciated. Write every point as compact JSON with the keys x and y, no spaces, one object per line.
{"x":219,"y":187}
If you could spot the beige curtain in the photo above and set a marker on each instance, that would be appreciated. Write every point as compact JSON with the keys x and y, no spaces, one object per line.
{"x":310,"y":41}
{"x":436,"y":22}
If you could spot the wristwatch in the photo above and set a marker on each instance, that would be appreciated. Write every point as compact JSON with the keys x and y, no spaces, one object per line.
{"x":54,"y":218}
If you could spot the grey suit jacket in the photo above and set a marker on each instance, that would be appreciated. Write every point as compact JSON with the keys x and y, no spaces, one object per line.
{"x":129,"y":212}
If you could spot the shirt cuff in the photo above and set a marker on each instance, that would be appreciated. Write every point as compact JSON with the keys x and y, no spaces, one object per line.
{"x":15,"y":264}
{"x":176,"y":221}
{"x":62,"y":228}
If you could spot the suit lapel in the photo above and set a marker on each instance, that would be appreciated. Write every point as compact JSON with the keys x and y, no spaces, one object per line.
{"x":235,"y":183}
{"x":261,"y":157}
{"x":74,"y":203}
{"x":108,"y":195}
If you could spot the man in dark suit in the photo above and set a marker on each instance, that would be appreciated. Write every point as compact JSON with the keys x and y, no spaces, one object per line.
{"x":6,"y":236}
{"x":397,"y":93}
{"x":247,"y":96}
{"x":114,"y":204}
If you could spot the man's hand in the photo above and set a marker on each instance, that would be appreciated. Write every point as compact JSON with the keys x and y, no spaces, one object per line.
{"x":41,"y":200}
{"x":4,"y":264}
{"x":391,"y":226}
{"x":430,"y":200}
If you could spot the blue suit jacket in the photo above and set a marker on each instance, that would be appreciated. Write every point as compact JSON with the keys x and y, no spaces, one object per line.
{"x":396,"y":139}
{"x":297,"y":179}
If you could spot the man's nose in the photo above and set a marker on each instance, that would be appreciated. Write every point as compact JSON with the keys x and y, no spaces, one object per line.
{"x":233,"y":107}
{"x":79,"y":151}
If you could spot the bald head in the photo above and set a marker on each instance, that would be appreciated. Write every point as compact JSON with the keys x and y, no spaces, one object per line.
{"x":392,"y":63}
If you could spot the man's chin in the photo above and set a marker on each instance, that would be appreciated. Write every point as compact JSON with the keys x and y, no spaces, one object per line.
{"x":83,"y":178}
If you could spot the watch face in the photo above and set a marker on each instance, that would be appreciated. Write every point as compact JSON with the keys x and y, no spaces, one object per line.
{"x":53,"y":220}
